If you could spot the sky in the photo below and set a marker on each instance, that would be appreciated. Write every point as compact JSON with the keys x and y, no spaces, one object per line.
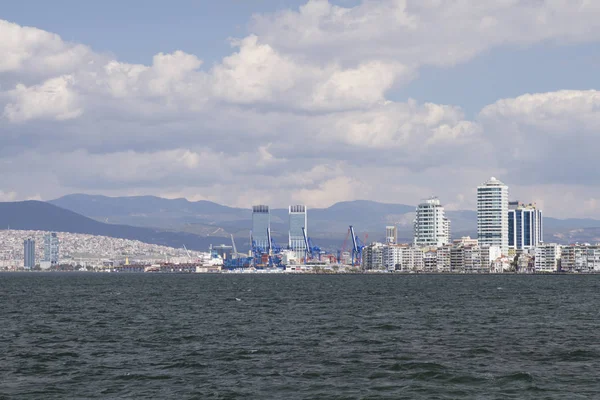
{"x":302,"y":102}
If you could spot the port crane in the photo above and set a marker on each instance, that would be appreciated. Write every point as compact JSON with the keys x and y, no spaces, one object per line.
{"x":357,"y":247}
{"x":188,"y":254}
{"x":310,"y":248}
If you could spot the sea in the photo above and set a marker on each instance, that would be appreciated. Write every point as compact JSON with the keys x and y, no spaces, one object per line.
{"x":263,"y":336}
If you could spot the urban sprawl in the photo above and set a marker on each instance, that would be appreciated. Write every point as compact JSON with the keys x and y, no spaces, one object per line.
{"x":510,"y":240}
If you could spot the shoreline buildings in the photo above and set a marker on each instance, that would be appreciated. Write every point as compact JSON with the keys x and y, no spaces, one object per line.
{"x":431,"y":227}
{"x":492,"y":214}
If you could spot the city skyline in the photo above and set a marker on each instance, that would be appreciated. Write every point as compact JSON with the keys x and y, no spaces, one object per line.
{"x":389,"y":111}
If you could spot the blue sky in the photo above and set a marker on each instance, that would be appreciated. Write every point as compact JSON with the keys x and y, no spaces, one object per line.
{"x":313,"y":101}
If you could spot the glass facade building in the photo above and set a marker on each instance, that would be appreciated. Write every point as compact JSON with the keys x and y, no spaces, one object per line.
{"x":298,"y":220}
{"x":29,"y":253}
{"x":51,"y":248}
{"x":261,"y":227}
{"x":525,"y":226}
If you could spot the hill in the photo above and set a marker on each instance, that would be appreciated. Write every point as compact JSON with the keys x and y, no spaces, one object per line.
{"x":37,"y":215}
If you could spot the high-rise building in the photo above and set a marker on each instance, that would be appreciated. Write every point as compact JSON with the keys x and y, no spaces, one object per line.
{"x":492,"y":214}
{"x":431,"y":228}
{"x":29,"y":253}
{"x":525,"y":227}
{"x":298,"y":221}
{"x":391,"y":235}
{"x":261,"y":227}
{"x":51,"y":248}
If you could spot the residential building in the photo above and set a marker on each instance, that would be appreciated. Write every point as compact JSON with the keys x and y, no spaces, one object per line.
{"x":430,"y":261}
{"x":574,"y":258}
{"x":457,"y":263}
{"x":372,"y":256}
{"x":592,"y":258}
{"x":298,"y":221}
{"x":431,"y":227}
{"x":443,"y":258}
{"x":391,"y":235}
{"x":261,"y":227}
{"x":525,"y":226}
{"x":489,"y":254}
{"x":492,"y":214}
{"x":29,"y":253}
{"x":547,"y":257}
{"x":51,"y":248}
{"x":392,"y":256}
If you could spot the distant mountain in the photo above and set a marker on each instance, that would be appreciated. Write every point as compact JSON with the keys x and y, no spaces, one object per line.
{"x":328,"y":225}
{"x":37,"y":215}
{"x":211,"y":219}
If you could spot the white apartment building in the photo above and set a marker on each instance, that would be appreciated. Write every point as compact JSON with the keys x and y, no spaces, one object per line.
{"x":431,"y":227}
{"x":492,"y":214}
{"x":443,"y":257}
{"x":372,"y":256}
{"x":547,"y":257}
{"x":392,"y":256}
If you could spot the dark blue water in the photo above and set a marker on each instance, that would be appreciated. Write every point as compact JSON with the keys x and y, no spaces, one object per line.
{"x":299,"y":337}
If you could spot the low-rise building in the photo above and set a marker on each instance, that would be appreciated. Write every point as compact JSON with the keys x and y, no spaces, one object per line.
{"x":547,"y":257}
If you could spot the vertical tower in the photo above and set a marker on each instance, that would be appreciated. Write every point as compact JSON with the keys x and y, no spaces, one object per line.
{"x":525,"y":226}
{"x":391,"y":235}
{"x":51,"y":248}
{"x":261,"y":226}
{"x":29,"y":253}
{"x":492,"y":214}
{"x":431,"y":228}
{"x":298,"y":220}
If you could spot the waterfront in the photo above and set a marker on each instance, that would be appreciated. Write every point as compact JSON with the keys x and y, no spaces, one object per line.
{"x":298,"y":336}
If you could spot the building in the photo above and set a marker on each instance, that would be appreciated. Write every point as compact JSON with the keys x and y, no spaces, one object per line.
{"x":391,"y":256}
{"x":412,"y":259}
{"x":29,"y":253}
{"x":580,"y":258}
{"x":547,"y":258}
{"x":51,"y":248}
{"x":492,"y":214}
{"x":431,"y":227}
{"x":443,"y":258}
{"x":261,"y":227}
{"x":298,"y":221}
{"x":430,"y":261}
{"x":391,"y":235}
{"x":489,"y":254}
{"x":372,"y":256}
{"x":525,"y":226}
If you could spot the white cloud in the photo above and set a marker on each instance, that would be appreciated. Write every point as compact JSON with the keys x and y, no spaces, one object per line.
{"x":546,"y":137}
{"x":53,"y":99}
{"x":424,"y":32}
{"x":29,"y":50}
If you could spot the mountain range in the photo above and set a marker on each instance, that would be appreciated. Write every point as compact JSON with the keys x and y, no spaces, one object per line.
{"x":197,"y":224}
